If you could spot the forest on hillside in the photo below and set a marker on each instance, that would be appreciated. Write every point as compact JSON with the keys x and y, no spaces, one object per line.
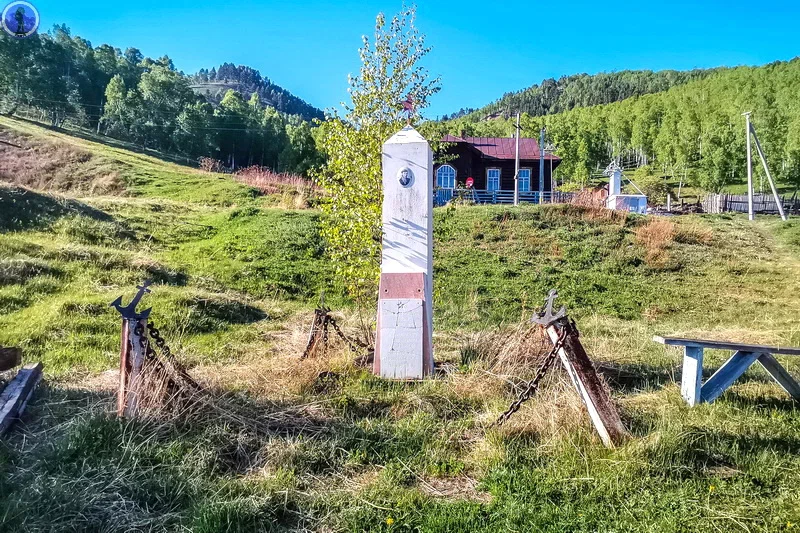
{"x":213,"y":83}
{"x":584,"y":90}
{"x":693,"y":131}
{"x":62,"y":79}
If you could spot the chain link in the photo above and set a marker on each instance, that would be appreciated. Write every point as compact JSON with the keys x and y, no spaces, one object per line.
{"x":533,"y":385}
{"x":166,"y":352}
{"x":354,"y":344}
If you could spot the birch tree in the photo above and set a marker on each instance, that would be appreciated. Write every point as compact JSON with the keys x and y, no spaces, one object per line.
{"x":352,"y":140}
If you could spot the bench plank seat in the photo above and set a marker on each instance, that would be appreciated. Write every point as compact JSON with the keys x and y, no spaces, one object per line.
{"x":723,"y":345}
{"x":694,"y":391}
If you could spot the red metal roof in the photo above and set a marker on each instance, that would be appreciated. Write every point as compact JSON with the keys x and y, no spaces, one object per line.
{"x":502,"y":147}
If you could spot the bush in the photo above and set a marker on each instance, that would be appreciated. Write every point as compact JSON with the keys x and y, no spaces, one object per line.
{"x":654,"y":187}
{"x":209,"y":164}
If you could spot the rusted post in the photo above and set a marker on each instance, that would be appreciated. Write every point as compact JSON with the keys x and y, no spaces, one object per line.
{"x":318,"y":328}
{"x":131,"y":352}
{"x":124,"y":368}
{"x":576,"y":362}
{"x":137,"y":333}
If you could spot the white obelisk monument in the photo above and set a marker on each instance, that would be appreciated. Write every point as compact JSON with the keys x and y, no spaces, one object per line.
{"x":404,"y":344}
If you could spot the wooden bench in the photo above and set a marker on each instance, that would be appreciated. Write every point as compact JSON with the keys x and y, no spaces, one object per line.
{"x":695,"y":391}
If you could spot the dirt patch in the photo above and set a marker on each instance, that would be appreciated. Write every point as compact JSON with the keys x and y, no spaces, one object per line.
{"x":454,"y":488}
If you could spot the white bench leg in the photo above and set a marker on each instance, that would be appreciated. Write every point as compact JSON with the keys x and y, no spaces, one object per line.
{"x":692,"y":377}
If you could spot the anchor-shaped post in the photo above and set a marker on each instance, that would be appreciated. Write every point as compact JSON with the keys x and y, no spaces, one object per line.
{"x":565,"y":338}
{"x":129,"y":312}
{"x":545,"y":317}
{"x":133,"y":350}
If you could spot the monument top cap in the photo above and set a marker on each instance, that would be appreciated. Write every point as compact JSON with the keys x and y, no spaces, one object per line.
{"x":407,"y":135}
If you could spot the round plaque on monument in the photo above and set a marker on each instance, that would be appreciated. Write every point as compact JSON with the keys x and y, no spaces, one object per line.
{"x":405,"y":177}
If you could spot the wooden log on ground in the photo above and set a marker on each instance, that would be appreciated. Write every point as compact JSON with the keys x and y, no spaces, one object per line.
{"x":15,"y":396}
{"x":9,"y":358}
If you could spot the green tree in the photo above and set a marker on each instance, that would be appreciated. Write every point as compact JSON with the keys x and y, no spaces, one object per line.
{"x":115,"y":112}
{"x":389,"y":71}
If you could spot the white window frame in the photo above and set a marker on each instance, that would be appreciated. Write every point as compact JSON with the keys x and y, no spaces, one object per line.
{"x":522,"y":188}
{"x":488,"y":178}
{"x":455,"y":174}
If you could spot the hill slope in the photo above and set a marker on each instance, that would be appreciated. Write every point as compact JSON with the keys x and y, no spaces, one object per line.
{"x":63,"y":79}
{"x":324,"y":445}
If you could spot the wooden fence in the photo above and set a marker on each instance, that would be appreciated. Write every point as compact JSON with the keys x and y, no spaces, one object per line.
{"x":762,"y":203}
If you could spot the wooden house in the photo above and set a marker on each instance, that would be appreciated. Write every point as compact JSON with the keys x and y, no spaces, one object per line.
{"x":489,"y":162}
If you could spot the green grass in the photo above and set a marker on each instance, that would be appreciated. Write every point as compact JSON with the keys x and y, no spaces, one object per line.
{"x":235,"y":285}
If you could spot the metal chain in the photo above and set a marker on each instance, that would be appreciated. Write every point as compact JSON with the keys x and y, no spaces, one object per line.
{"x":167,"y":353}
{"x":138,"y":330}
{"x":161,"y":343}
{"x":353,"y":343}
{"x":533,"y":385}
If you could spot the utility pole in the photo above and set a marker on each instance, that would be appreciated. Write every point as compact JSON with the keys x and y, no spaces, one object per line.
{"x":778,"y":201}
{"x":750,"y":213}
{"x":541,"y":164}
{"x":100,"y":118}
{"x":516,"y":165}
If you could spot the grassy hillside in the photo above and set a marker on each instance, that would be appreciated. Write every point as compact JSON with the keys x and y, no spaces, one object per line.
{"x":327,"y":447}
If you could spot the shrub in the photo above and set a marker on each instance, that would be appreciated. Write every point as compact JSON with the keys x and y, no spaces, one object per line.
{"x":295,"y":189}
{"x":654,"y":187}
{"x":209,"y":164}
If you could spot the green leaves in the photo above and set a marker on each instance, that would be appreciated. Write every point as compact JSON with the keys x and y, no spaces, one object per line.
{"x":353,"y":146}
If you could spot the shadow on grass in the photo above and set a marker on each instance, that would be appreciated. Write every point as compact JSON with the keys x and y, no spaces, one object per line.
{"x":638,"y":377}
{"x":25,"y":209}
{"x":762,"y":404}
{"x":717,"y":453}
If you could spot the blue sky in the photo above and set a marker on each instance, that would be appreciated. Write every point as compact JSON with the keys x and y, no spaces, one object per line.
{"x":481,"y":49}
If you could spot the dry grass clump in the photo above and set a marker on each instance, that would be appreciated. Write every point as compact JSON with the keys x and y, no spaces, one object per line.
{"x":295,"y":189}
{"x":509,"y":351}
{"x":590,"y":197}
{"x":589,"y":213}
{"x":656,"y":237}
{"x":209,"y":164}
{"x":694,"y":235}
{"x":56,"y":166}
{"x":275,"y":370}
{"x":554,"y":412}
{"x":501,"y":365}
